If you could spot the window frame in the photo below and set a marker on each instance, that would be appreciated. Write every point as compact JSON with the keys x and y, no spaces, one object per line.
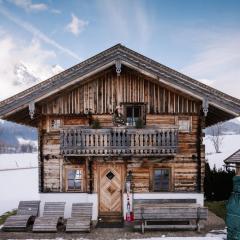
{"x":74,"y":167}
{"x":189,"y":119}
{"x":142,"y":107}
{"x":50,"y":127}
{"x":170,"y":179}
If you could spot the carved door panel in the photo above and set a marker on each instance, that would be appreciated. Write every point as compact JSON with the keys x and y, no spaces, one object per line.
{"x":110,"y":188}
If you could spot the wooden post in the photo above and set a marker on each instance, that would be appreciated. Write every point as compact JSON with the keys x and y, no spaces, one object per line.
{"x":90,"y":169}
{"x":40,"y":161}
{"x":201,"y":125}
{"x":237,"y":169}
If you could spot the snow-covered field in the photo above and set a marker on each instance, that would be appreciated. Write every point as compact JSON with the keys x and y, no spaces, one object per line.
{"x":230,"y":144}
{"x":17,"y":184}
{"x":18,"y":160}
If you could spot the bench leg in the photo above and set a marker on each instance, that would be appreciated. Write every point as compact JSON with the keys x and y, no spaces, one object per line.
{"x":198,"y":226}
{"x":142,"y":227}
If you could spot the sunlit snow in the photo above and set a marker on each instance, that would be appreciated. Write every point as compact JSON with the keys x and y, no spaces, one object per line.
{"x":18,"y":183}
{"x":230,"y":144}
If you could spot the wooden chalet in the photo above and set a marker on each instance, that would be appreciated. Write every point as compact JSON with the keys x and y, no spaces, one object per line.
{"x":116,"y":117}
{"x":233,"y":161}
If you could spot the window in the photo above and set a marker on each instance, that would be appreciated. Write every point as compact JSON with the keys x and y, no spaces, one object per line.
{"x":74,"y":179}
{"x":133,"y":113}
{"x":161,"y":181}
{"x":55,"y":123}
{"x":184,"y":124}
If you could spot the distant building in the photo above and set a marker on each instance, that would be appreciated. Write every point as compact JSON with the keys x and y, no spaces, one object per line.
{"x":234,"y":161}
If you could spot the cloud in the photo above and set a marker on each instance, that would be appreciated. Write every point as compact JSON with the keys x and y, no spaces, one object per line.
{"x":218,"y":59}
{"x":27,"y":5}
{"x":23,"y":64}
{"x":76,"y":26}
{"x":37,"y":33}
{"x":56,"y":11}
{"x":127,"y":20}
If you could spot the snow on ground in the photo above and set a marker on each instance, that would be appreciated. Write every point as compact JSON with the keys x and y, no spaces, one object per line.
{"x":182,"y":238}
{"x":19,"y":184}
{"x":210,"y":237}
{"x":155,"y":238}
{"x":18,"y":160}
{"x":23,"y":141}
{"x":231,"y":143}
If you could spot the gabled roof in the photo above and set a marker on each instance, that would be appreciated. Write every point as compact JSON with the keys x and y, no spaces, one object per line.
{"x":234,"y":158}
{"x":224,"y":104}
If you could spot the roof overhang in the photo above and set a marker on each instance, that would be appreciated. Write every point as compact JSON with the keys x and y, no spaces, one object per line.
{"x":233,"y":159}
{"x":224,"y":105}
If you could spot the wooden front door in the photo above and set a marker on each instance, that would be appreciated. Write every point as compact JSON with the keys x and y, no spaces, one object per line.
{"x":110,"y":188}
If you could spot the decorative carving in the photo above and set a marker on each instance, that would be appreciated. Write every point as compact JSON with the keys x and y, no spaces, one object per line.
{"x":110,"y":175}
{"x":205,"y":105}
{"x":118,"y":67}
{"x":31,"y":108}
{"x":118,"y":118}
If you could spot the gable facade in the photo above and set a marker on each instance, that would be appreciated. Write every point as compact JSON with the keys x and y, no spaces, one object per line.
{"x":119,"y":124}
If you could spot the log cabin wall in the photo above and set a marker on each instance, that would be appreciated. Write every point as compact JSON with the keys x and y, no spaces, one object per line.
{"x":101,"y":94}
{"x":184,"y":166}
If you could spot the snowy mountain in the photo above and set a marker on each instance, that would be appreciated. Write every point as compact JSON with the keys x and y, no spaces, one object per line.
{"x":25,"y":76}
{"x":231,"y":127}
{"x":12,"y":134}
{"x":15,"y":134}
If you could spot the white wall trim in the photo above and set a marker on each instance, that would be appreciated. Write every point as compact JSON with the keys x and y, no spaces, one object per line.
{"x":70,"y":198}
{"x":167,"y":195}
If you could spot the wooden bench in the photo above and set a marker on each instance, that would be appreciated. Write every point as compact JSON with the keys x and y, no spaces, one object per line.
{"x":81,"y":217}
{"x":53,"y":214}
{"x":168,"y":214}
{"x":26,"y":213}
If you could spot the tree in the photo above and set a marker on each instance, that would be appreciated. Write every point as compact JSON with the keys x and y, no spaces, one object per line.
{"x":217,"y":183}
{"x":216,"y":136}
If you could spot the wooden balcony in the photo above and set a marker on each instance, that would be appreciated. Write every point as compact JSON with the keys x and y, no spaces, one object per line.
{"x":119,"y":142}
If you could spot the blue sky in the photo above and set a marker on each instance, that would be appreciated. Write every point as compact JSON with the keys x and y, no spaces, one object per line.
{"x":200,"y":38}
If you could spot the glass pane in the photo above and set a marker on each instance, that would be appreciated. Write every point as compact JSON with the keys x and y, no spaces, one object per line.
{"x":110,"y":175}
{"x":130,"y":121}
{"x":71,"y":174}
{"x":184,"y":125}
{"x":70,"y":184}
{"x":55,"y":123}
{"x":161,"y":180}
{"x":77,"y":184}
{"x":158,"y":173}
{"x":78,"y":174}
{"x":129,"y":112}
{"x":137,"y":112}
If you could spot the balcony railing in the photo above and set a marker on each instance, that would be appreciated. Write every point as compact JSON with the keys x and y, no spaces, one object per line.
{"x":119,"y":141}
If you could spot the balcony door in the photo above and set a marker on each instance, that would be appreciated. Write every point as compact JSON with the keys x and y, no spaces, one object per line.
{"x":110,"y":188}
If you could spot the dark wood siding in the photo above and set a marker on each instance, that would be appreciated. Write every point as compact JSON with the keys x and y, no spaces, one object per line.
{"x":105,"y":91}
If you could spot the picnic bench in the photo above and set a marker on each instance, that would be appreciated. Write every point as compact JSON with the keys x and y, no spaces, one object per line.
{"x":168,"y":214}
{"x":26,"y":213}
